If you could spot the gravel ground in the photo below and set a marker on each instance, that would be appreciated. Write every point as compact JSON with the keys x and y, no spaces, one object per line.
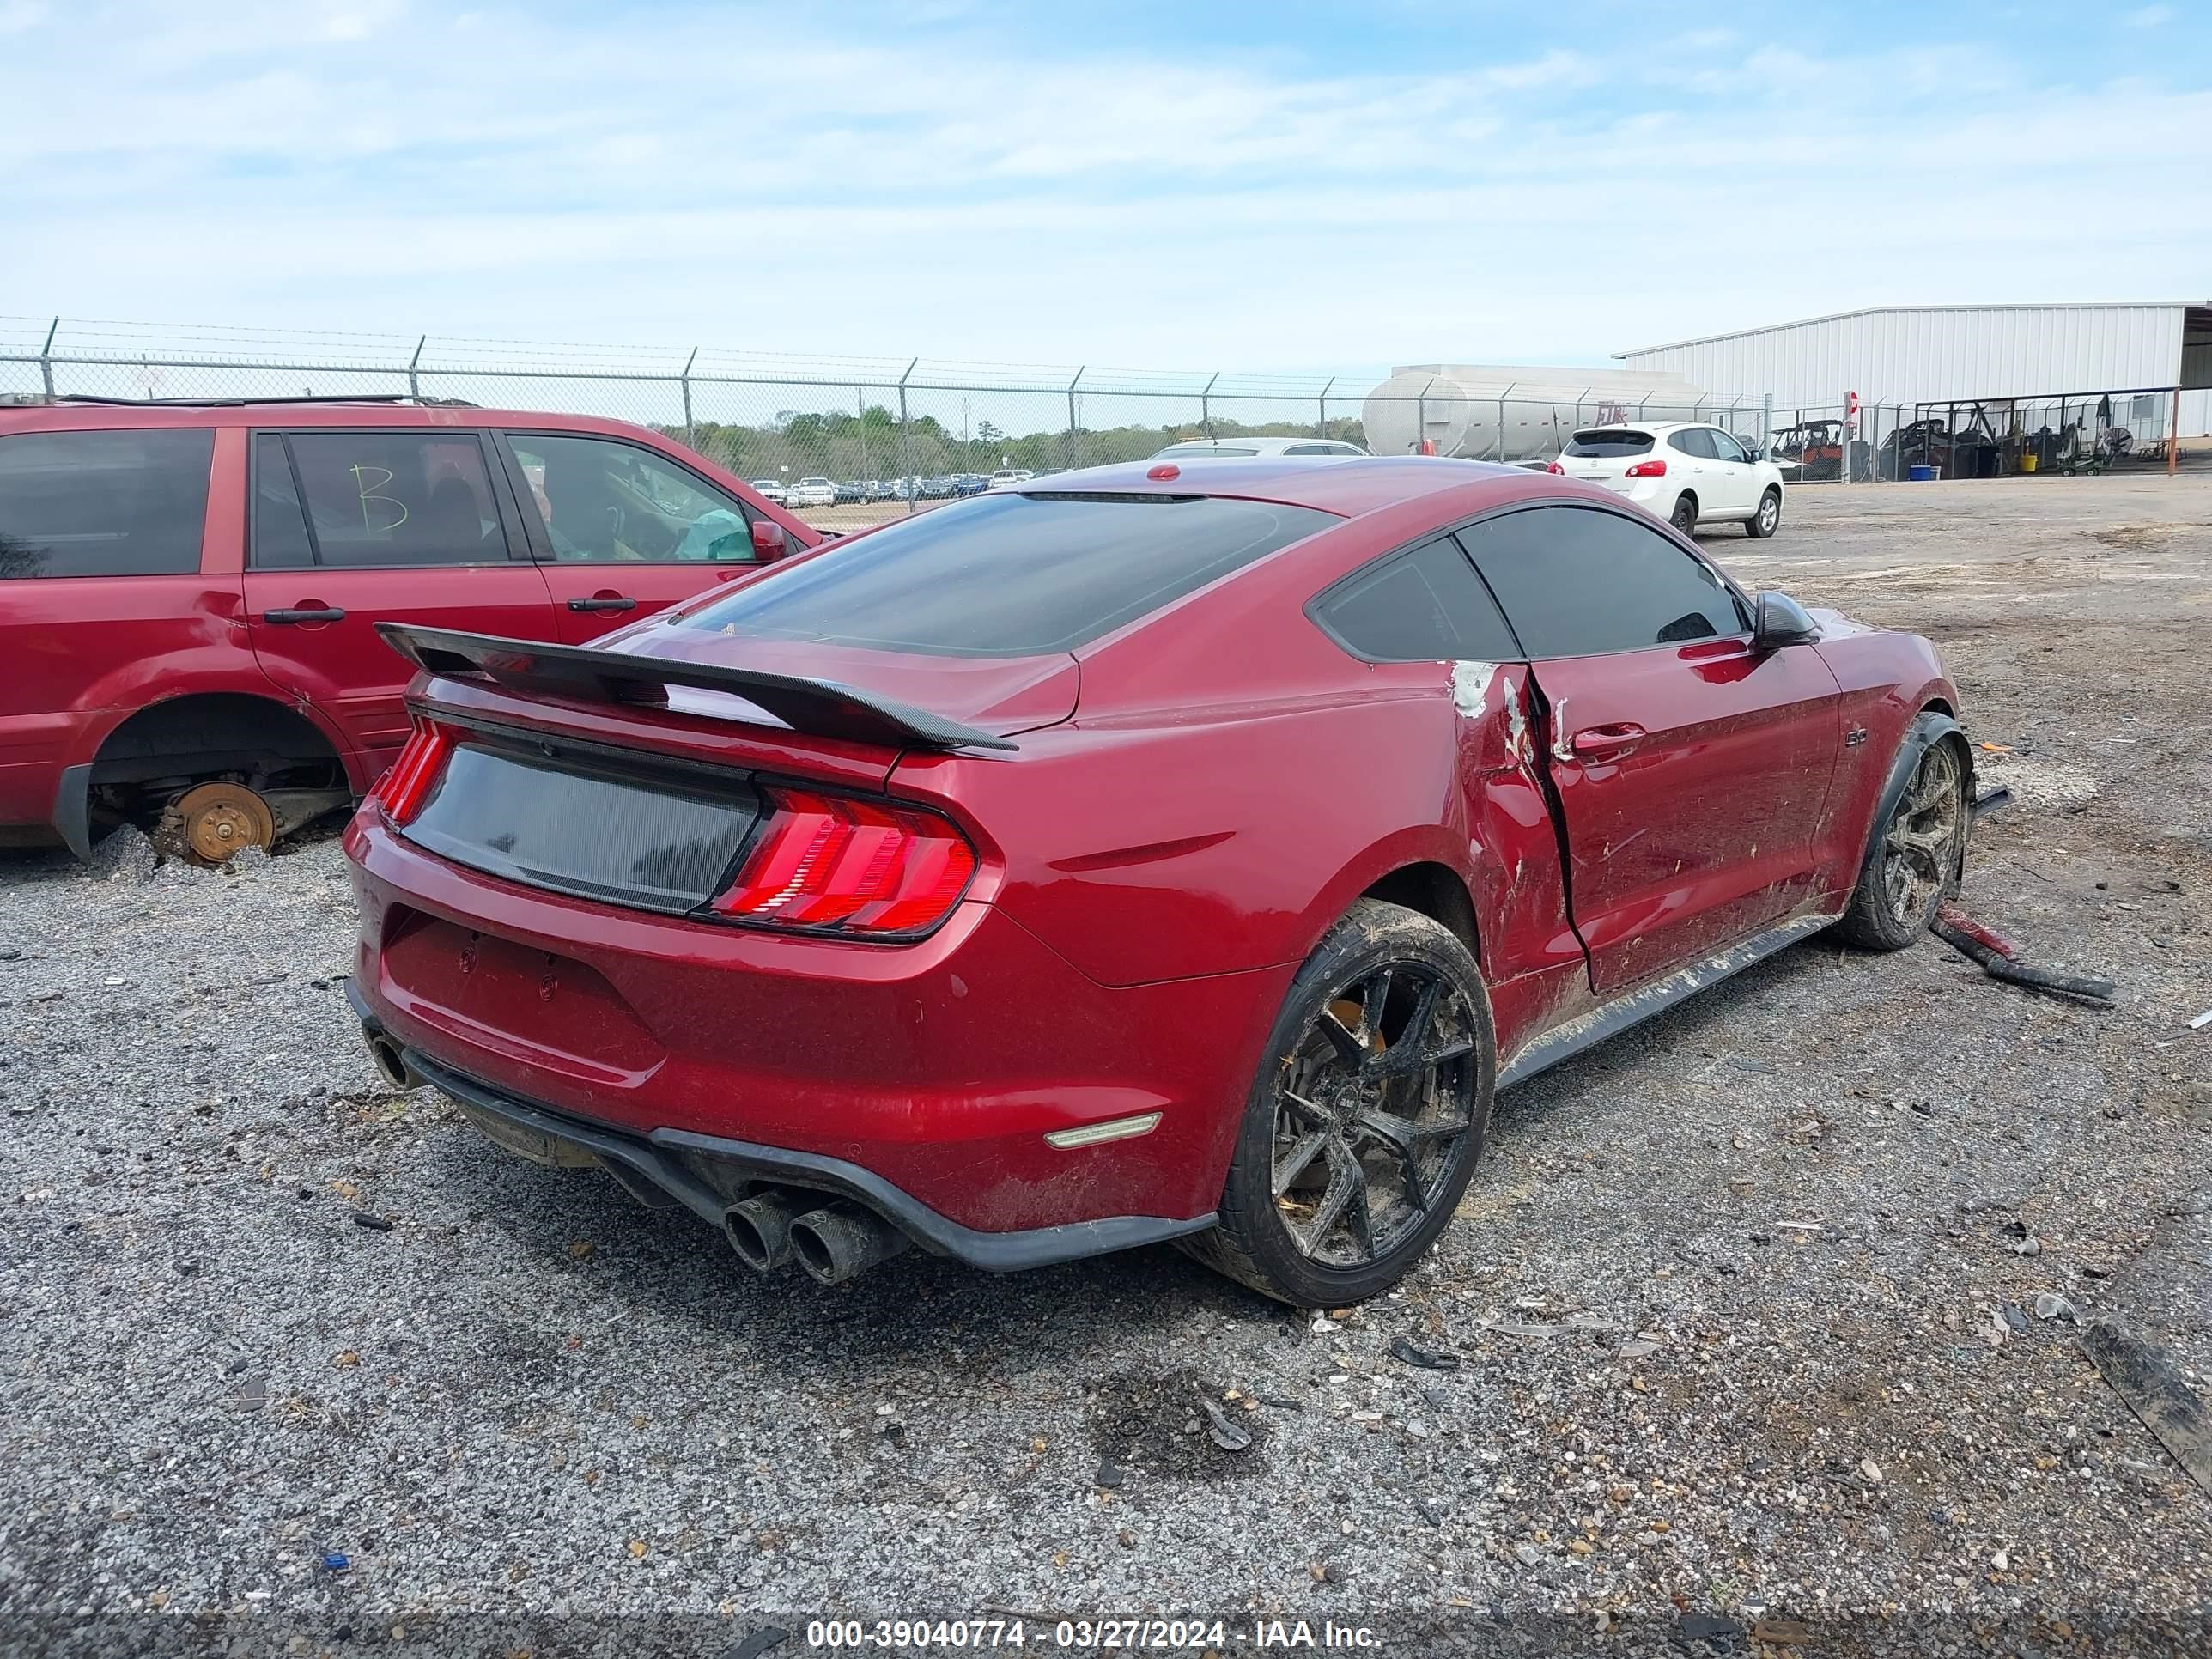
{"x":1745,"y":1303}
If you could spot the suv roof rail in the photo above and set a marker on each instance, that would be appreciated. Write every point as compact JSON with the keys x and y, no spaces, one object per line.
{"x":237,"y":403}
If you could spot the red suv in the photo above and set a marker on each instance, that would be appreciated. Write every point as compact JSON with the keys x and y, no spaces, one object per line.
{"x":189,"y":593}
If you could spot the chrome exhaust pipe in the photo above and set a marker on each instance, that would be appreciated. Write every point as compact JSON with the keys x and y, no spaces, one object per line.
{"x":759,"y":1231}
{"x":834,"y":1245}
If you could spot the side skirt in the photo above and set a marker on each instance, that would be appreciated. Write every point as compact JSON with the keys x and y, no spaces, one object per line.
{"x":1655,"y":997}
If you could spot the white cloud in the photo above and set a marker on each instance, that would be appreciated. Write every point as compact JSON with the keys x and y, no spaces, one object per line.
{"x":2147,"y":17}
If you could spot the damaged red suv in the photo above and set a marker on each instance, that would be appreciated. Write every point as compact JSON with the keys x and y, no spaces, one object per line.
{"x":1141,"y":855}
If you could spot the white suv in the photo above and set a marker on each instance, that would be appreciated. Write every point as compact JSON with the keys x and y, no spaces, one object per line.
{"x":1007,"y":476}
{"x":1325,"y":449}
{"x":1685,"y":473}
{"x":812,"y":492}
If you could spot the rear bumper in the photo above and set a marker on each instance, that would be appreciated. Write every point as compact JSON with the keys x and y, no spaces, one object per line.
{"x":706,"y":1174}
{"x":921,"y":1079}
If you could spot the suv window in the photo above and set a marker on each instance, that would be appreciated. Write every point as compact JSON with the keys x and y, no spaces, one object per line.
{"x":1606,"y":442}
{"x":1004,"y":574}
{"x":1693,"y":440}
{"x":1426,"y":604}
{"x":1579,"y":581}
{"x":602,"y":501}
{"x":103,"y":503}
{"x":1726,"y":448}
{"x":279,"y":524}
{"x":387,"y":499}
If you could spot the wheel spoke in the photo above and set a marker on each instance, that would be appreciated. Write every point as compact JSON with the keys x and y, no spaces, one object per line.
{"x":1306,"y":1109}
{"x":1349,"y":1048}
{"x":1400,"y":1135}
{"x":1347,"y":1187}
{"x":1290,"y":1165}
{"x":1374,"y":997}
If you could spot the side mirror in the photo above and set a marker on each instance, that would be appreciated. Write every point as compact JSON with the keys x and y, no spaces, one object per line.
{"x":1780,"y":620}
{"x":768,"y":540}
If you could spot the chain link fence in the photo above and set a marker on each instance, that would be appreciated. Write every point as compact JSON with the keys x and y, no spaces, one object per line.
{"x":877,"y":436}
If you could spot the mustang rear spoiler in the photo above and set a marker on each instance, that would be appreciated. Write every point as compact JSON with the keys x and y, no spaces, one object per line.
{"x":823,"y":708}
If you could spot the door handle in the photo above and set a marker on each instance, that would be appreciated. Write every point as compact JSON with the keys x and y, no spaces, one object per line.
{"x":1607,"y":742}
{"x":620,"y":603}
{"x":313,"y":614}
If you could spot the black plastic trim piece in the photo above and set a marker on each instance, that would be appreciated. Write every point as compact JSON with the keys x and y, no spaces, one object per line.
{"x":1655,"y":996}
{"x":822,"y":707}
{"x":73,"y":810}
{"x":656,"y":1158}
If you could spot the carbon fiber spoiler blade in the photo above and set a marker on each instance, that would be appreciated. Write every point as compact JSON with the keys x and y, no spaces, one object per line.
{"x":821,"y":708}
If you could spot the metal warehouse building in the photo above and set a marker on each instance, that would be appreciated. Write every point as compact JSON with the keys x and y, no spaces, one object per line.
{"x":1910,"y":354}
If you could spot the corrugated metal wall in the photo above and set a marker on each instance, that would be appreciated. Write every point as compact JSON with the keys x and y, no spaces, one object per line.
{"x":1909,"y":356}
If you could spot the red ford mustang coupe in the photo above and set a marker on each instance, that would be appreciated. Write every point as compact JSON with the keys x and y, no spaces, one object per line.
{"x":1144,"y":853}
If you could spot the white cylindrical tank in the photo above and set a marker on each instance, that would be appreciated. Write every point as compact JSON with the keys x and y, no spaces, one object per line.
{"x":1488,"y":412}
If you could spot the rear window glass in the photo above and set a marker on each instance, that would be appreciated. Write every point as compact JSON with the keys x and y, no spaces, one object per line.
{"x":103,"y":503}
{"x":1604,"y":442}
{"x":1010,"y":575}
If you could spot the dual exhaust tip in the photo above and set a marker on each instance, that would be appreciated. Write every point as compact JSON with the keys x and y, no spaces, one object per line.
{"x":832,"y":1244}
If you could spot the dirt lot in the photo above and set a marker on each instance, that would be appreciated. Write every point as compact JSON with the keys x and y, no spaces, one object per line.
{"x":1745,"y":1306}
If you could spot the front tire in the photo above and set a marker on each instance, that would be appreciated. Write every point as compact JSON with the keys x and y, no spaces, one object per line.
{"x":1366,"y":1119}
{"x":1684,"y":518}
{"x":1765,"y":522}
{"x":1918,"y":848}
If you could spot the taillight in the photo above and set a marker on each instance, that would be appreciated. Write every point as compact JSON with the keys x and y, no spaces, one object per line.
{"x":1651,"y":469}
{"x":1554,"y":467}
{"x":402,"y":790}
{"x":858,"y":867}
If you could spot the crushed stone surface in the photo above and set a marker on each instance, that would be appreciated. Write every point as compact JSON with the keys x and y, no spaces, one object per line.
{"x":1741,"y":1325}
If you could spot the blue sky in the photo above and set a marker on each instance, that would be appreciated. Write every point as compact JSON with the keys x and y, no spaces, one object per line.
{"x":1271,"y":187}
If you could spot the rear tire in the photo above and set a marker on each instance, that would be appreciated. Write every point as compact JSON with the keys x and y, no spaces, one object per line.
{"x":1684,"y":518}
{"x":1765,"y":522}
{"x":1366,"y":1119}
{"x":1917,"y":849}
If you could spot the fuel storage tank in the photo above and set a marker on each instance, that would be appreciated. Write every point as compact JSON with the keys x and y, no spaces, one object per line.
{"x":1492,"y":412}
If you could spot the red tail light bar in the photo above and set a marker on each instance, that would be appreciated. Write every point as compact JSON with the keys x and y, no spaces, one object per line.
{"x":402,"y":790}
{"x":1651,"y":469}
{"x":860,"y":868}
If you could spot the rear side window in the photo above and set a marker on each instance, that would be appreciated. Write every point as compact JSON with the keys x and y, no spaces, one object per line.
{"x":1010,"y":575}
{"x":1579,"y":582}
{"x":103,"y":503}
{"x":397,"y":498}
{"x":1604,"y":442}
{"x":280,"y":525}
{"x":1425,"y":605}
{"x":1694,"y":440}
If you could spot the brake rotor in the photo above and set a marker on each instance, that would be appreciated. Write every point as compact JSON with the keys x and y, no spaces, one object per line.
{"x":215,"y":820}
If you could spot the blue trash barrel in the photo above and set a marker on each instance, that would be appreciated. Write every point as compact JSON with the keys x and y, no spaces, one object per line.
{"x":1922,"y":472}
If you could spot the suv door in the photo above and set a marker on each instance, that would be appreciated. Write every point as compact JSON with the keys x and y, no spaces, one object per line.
{"x":1694,"y":444}
{"x":1736,"y":473}
{"x":352,"y":527}
{"x":1692,"y":771}
{"x":621,"y":531}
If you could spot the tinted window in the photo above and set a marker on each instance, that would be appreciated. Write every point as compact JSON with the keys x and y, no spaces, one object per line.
{"x":1425,"y":605}
{"x":1577,"y":581}
{"x":397,"y":498}
{"x":1693,"y":440}
{"x":1605,"y":442}
{"x":103,"y":503}
{"x":1007,"y":575}
{"x":280,"y":526}
{"x":603,"y":502}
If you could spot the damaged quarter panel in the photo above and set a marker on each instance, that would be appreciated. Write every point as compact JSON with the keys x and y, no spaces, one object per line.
{"x":1885,"y":680}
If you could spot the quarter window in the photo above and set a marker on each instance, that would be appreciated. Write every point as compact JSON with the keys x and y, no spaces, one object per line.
{"x":1425,"y":605}
{"x":103,"y":503}
{"x":394,"y":499}
{"x":603,"y":502}
{"x":1579,"y":581}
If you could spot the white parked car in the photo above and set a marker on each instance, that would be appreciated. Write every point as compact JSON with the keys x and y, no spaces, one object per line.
{"x":1242,"y":449}
{"x":812,"y":492}
{"x":1007,"y":476}
{"x":1685,"y":473}
{"x":769,"y":490}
